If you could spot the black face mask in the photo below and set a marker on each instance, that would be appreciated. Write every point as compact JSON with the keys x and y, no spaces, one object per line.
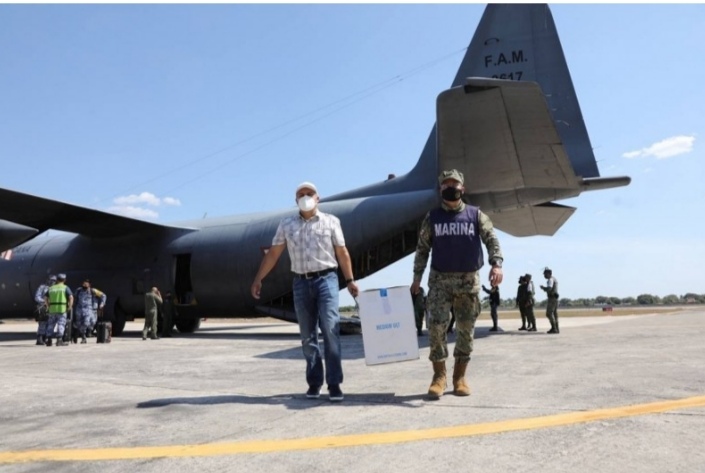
{"x":451,"y":194}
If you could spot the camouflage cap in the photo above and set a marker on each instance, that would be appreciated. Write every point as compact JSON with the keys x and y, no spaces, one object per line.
{"x":52,"y":278}
{"x":452,"y":174}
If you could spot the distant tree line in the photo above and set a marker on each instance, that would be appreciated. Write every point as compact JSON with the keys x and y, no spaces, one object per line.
{"x":642,"y":299}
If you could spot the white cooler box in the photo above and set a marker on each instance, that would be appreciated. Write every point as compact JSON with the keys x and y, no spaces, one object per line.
{"x":388,"y":326}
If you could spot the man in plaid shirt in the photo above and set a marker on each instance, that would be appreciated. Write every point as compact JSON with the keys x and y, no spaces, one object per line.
{"x":316,"y":246}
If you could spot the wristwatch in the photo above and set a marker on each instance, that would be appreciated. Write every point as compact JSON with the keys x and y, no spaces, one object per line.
{"x":497,"y":263}
{"x":348,"y":281}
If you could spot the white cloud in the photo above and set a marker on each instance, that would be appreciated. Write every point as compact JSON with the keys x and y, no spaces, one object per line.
{"x":171,"y":201}
{"x":144,"y":198}
{"x":133,"y":205}
{"x":134,"y":212}
{"x":664,"y":149}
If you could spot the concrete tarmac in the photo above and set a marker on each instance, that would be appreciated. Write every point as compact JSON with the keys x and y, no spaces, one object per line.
{"x":609,"y":394}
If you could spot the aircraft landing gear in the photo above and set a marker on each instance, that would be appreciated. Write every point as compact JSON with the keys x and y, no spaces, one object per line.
{"x":189,"y":325}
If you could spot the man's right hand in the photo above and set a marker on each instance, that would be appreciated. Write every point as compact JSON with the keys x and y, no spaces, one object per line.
{"x":415,"y":286}
{"x":256,"y":288}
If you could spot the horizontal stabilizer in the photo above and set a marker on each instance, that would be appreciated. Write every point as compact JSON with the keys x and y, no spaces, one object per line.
{"x":544,"y":219}
{"x":601,"y":183}
{"x":500,"y":134}
{"x":44,"y":214}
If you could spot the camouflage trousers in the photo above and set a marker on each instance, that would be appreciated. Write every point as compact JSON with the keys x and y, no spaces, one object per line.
{"x":85,"y":321}
{"x":460,"y":291}
{"x":55,"y":325}
{"x":552,"y":311}
{"x":42,"y":327}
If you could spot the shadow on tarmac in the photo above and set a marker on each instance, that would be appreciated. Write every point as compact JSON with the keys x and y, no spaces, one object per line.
{"x":296,"y":401}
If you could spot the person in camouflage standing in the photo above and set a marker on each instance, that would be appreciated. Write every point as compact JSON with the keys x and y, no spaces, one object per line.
{"x":529,"y":304}
{"x":88,"y":301}
{"x":42,"y":309}
{"x":453,"y":233}
{"x":551,"y":289}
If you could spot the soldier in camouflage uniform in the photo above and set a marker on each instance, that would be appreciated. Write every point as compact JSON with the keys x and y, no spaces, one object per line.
{"x":529,"y":305}
{"x":41,"y":311}
{"x":551,"y":289}
{"x":88,"y":301}
{"x":453,"y":232}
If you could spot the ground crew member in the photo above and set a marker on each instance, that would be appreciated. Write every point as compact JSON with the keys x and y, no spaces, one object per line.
{"x":551,"y":289}
{"x":41,"y":310}
{"x":59,"y":299}
{"x":529,"y":305}
{"x":152,"y":303}
{"x":88,"y":301}
{"x":494,"y":304}
{"x":419,"y":301}
{"x":453,"y":234}
{"x":521,"y":301}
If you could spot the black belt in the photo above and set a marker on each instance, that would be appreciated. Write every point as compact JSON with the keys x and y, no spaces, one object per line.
{"x":316,"y":274}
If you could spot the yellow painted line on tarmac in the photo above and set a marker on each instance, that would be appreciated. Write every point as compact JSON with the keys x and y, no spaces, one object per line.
{"x":317,"y":443}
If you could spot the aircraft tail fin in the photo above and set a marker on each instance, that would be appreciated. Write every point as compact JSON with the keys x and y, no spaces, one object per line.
{"x":513,"y":42}
{"x":520,"y":42}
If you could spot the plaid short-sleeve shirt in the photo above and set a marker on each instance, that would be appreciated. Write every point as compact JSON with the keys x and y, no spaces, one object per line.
{"x":310,"y":242}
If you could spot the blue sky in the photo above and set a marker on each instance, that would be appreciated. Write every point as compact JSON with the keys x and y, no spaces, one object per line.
{"x":173,"y":112}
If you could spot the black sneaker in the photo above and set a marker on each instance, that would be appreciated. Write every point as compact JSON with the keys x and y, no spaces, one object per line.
{"x":335,"y":394}
{"x":314,"y":392}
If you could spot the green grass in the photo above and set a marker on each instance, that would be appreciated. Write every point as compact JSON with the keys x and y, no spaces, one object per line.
{"x":586,"y":312}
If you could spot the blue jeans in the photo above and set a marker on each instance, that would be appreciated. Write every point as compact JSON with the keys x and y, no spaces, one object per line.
{"x":316,"y":304}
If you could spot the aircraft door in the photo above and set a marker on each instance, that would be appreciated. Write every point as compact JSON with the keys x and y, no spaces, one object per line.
{"x":183,"y":288}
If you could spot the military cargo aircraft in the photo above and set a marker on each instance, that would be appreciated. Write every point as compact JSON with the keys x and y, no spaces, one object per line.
{"x":510,"y":122}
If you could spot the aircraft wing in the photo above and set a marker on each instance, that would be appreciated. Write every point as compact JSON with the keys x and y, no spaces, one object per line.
{"x":543,"y":219}
{"x":43,"y":214}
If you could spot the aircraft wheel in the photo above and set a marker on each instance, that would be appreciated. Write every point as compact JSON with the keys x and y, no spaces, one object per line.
{"x":188,"y":325}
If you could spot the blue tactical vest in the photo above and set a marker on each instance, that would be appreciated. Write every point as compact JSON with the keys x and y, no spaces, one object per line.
{"x":456,"y":240}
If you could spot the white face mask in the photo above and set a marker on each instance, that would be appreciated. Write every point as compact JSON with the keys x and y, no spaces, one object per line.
{"x":306,"y":203}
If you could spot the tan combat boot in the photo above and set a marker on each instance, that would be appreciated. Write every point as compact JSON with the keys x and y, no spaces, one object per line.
{"x":460,"y":387}
{"x":438,"y":384}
